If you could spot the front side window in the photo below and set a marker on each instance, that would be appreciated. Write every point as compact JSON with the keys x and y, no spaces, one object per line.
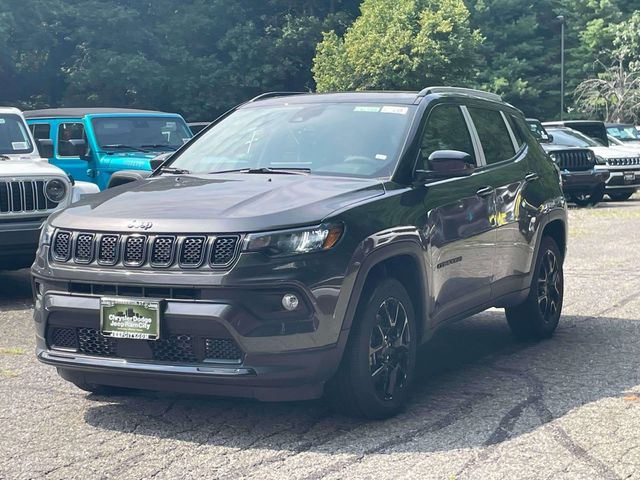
{"x":41,"y":131}
{"x":66,"y":133}
{"x":538,"y":131}
{"x":14,"y":137}
{"x":493,"y":134}
{"x":140,"y":133}
{"x":446,"y":129}
{"x":343,"y":139}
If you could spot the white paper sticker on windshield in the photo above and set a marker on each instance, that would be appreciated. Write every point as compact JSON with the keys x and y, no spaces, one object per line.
{"x":366,"y":109}
{"x":2,"y":121}
{"x":19,"y":145}
{"x":394,"y":109}
{"x":380,"y":156}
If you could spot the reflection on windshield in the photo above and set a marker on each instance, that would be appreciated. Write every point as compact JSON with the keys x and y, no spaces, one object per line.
{"x":332,"y":139}
{"x":140,"y":133}
{"x":14,"y":138}
{"x":572,"y":138}
{"x":625,"y":134}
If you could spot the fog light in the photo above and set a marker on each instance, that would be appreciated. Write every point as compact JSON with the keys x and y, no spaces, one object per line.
{"x":290,"y":302}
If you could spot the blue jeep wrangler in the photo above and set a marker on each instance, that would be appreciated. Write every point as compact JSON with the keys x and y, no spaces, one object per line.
{"x":90,"y":144}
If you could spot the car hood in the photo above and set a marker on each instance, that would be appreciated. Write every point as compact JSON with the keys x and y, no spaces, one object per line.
{"x":28,"y":167}
{"x":550,"y":147}
{"x":632,"y":148}
{"x":222,"y":203}
{"x":613,"y":152}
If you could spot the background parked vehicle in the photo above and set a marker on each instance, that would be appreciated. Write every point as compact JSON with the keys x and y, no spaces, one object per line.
{"x":30,"y":190}
{"x":624,"y":132}
{"x":595,"y":129}
{"x":292,"y":250}
{"x":92,"y":143}
{"x":582,"y":183}
{"x":622,"y":166}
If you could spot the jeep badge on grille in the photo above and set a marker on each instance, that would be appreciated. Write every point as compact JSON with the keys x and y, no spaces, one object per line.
{"x":140,"y":225}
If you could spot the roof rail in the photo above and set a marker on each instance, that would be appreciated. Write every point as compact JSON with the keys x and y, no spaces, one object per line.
{"x":262,"y":96}
{"x":466,"y":91}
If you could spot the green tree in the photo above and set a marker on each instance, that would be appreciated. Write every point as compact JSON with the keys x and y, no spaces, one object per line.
{"x":400,"y":44}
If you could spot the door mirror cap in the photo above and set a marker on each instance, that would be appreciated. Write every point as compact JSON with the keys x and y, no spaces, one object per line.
{"x":45,"y":147}
{"x":447,"y":164}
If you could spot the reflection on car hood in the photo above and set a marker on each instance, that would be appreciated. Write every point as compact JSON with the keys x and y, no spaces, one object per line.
{"x":222,"y":203}
{"x":28,"y":167}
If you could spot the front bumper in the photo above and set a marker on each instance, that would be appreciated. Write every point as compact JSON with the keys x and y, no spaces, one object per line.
{"x":19,"y":242}
{"x":589,"y":181}
{"x":283,"y":356}
{"x":621,"y":178}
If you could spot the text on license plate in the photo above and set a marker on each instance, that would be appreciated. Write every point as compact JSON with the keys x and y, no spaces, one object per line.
{"x":130,"y":318}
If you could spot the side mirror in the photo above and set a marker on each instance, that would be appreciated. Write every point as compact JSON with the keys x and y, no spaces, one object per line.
{"x":79,"y":148}
{"x":127,"y":176}
{"x":447,"y":164}
{"x":550,"y":138}
{"x":157,"y":162}
{"x":45,"y":147}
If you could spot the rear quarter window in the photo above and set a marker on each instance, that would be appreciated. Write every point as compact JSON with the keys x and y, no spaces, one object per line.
{"x":493,"y":133}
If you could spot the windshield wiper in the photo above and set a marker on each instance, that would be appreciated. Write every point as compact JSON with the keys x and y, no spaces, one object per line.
{"x":120,"y":146}
{"x":268,"y":170}
{"x":160,"y":145}
{"x":174,"y":171}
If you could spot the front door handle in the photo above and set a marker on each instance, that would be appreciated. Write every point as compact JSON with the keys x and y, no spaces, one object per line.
{"x":485,"y":191}
{"x":530,"y":177}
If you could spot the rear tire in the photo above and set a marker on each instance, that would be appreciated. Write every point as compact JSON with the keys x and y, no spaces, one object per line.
{"x":620,"y":196}
{"x":537,"y":317}
{"x":377,"y":370}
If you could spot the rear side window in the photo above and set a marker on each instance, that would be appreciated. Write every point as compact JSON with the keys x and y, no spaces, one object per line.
{"x":40,"y":130}
{"x":493,"y":133}
{"x":518,"y":130}
{"x":446,"y":129}
{"x":67,"y":132}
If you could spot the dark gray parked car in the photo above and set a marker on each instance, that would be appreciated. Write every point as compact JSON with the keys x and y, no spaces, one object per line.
{"x":306,"y":244}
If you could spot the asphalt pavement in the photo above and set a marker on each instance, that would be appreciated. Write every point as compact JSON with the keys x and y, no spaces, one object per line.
{"x":484,"y":407}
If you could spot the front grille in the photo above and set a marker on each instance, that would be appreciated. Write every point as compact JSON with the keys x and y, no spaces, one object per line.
{"x":108,"y":250}
{"x":84,"y":248}
{"x":63,"y":338}
{"x":192,"y":251}
{"x":174,"y":348}
{"x":92,"y":342}
{"x":62,"y":246}
{"x":177,"y":348}
{"x":134,"y":250}
{"x":624,"y":162}
{"x":24,"y":196}
{"x":138,"y":250}
{"x":224,"y":249}
{"x":221,"y":349}
{"x":162,"y":251}
{"x":575,"y":160}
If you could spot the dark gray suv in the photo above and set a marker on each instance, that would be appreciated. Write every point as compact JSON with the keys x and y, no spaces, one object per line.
{"x":304,"y":244}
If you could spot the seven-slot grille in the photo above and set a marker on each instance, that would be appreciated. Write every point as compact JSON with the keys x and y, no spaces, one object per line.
{"x":575,"y":160}
{"x":24,"y":196}
{"x":620,"y":162}
{"x":138,"y":250}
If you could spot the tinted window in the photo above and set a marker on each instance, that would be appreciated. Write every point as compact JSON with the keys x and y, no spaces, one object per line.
{"x":493,"y":133}
{"x":40,"y":130}
{"x":625,"y":133}
{"x":348,"y":139}
{"x":517,"y":129}
{"x":446,"y":130}
{"x":67,"y":132}
{"x":13,"y":135}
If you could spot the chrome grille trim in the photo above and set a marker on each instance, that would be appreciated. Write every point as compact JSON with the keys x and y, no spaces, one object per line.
{"x":623,"y":162}
{"x":146,"y":250}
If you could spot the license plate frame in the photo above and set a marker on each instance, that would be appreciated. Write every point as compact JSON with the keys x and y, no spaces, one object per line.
{"x":130,"y":318}
{"x":629,"y":177}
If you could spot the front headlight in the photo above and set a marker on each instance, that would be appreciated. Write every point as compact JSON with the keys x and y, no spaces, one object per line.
{"x":292,"y":242}
{"x":46,"y":233}
{"x":55,"y":190}
{"x":600,"y":160}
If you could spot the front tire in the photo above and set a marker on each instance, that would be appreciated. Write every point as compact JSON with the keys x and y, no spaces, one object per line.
{"x":537,"y":317}
{"x":378,"y":367}
{"x":620,"y":196}
{"x":587,"y":199}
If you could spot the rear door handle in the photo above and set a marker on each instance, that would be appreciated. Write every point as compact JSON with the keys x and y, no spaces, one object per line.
{"x":485,"y":191}
{"x":530,"y":177}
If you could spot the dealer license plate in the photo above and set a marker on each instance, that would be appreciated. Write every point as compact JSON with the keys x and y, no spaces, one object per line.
{"x":130,"y":318}
{"x":629,"y":177}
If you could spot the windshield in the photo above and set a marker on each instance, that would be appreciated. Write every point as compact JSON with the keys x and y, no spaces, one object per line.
{"x":14,"y":138}
{"x":345,"y":139}
{"x":538,"y":131}
{"x":572,"y":138}
{"x":140,"y":133}
{"x":625,"y":133}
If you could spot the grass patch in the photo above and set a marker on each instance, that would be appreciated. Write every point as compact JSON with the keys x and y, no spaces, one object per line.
{"x":8,"y":374}
{"x":12,"y":351}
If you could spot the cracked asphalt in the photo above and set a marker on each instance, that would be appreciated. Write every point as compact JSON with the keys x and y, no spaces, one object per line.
{"x":484,"y":407}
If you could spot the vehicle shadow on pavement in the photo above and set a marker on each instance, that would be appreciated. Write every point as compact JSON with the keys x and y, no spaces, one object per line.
{"x":476,"y":386}
{"x":15,"y":289}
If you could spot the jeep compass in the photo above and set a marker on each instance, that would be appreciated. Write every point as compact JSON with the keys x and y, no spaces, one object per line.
{"x":304,"y":245}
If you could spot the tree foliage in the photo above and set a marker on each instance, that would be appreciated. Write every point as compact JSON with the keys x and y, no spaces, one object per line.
{"x":400,"y":44}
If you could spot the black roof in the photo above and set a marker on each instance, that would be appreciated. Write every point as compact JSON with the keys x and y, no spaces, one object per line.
{"x":80,"y":112}
{"x":568,"y":123}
